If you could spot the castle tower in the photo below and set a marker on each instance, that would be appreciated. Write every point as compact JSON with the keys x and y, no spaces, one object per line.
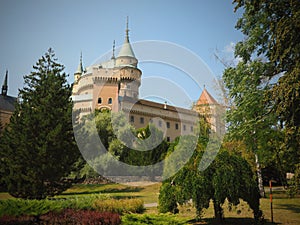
{"x":5,"y":85}
{"x":130,"y":75}
{"x":212,"y":110}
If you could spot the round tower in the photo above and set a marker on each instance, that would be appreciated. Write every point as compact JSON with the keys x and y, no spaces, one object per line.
{"x":130,"y":75}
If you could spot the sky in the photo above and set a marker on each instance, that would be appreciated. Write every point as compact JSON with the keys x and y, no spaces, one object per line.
{"x":28,"y":28}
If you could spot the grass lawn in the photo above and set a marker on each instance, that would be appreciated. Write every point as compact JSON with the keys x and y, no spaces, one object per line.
{"x":286,"y":211}
{"x":149,"y":194}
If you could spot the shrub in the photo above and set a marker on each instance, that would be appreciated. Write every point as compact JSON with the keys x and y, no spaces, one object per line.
{"x":18,"y":207}
{"x":120,"y":205}
{"x":81,"y":217}
{"x":67,"y":216}
{"x":161,"y":219}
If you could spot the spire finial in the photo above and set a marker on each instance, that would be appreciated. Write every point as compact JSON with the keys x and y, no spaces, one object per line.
{"x":127,"y":30}
{"x":81,"y":60}
{"x":113,"y":53}
{"x":5,"y":85}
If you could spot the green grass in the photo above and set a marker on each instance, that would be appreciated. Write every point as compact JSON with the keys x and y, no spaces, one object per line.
{"x":148,"y":194}
{"x":158,"y":219}
{"x":4,"y":195}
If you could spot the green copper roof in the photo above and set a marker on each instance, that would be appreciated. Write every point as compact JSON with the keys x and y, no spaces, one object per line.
{"x":126,"y":50}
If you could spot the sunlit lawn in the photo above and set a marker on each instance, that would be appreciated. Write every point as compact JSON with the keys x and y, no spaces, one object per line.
{"x":148,"y":194}
{"x":285,"y":210}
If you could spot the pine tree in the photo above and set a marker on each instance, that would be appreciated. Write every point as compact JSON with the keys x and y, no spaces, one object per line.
{"x":38,"y":148}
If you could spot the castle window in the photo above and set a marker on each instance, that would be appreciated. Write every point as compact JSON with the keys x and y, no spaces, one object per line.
{"x":184,"y":127}
{"x":168,"y":124}
{"x":99,"y":100}
{"x":110,"y":101}
{"x":159,"y":123}
{"x":142,"y":120}
{"x":176,"y":126}
{"x":168,"y":139}
{"x":132,"y":119}
{"x":192,"y":128}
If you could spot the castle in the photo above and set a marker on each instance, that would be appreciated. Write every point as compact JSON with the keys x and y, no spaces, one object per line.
{"x":114,"y":85}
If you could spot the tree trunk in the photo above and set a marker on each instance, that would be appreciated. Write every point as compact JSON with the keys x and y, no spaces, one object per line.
{"x":219,"y":216}
{"x":259,"y":177}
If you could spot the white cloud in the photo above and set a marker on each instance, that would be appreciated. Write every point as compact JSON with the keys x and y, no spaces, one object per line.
{"x":228,"y":52}
{"x":229,"y":48}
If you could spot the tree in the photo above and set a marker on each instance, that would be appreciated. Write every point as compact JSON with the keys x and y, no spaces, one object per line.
{"x":272,"y":30}
{"x":38,"y":147}
{"x":228,"y":177}
{"x":250,"y":119}
{"x":120,"y":142}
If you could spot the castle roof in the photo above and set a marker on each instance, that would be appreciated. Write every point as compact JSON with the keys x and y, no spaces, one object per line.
{"x":206,"y":98}
{"x":7,"y":103}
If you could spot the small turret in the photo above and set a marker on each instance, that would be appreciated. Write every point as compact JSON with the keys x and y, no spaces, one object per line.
{"x":79,"y":70}
{"x":5,"y":86}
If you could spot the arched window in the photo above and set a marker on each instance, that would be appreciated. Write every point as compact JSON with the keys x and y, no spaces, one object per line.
{"x":110,"y":101}
{"x":99,"y":100}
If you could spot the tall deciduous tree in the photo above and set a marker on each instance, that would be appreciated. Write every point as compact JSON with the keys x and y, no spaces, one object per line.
{"x":249,"y":118}
{"x":38,"y":148}
{"x":272,"y":30}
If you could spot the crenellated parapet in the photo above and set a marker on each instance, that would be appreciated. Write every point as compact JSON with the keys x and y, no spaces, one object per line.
{"x":101,"y":80}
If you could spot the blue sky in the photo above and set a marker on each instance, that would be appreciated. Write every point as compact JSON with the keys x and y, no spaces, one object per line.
{"x":28,"y":28}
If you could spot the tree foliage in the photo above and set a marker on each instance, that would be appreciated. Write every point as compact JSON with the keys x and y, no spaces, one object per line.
{"x":272,"y":30}
{"x":121,"y":142}
{"x":228,"y":177}
{"x":38,"y":150}
{"x":251,"y":118}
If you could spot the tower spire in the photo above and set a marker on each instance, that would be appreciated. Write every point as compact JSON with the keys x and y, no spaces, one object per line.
{"x":113,"y":53}
{"x":80,"y":67}
{"x":5,"y":85}
{"x":126,"y":49}
{"x":127,"y":31}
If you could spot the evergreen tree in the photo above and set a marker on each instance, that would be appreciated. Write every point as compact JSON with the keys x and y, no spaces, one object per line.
{"x":38,"y":147}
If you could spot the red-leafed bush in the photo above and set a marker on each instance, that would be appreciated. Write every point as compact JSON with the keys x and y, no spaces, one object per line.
{"x":81,"y":217}
{"x":17,"y":220}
